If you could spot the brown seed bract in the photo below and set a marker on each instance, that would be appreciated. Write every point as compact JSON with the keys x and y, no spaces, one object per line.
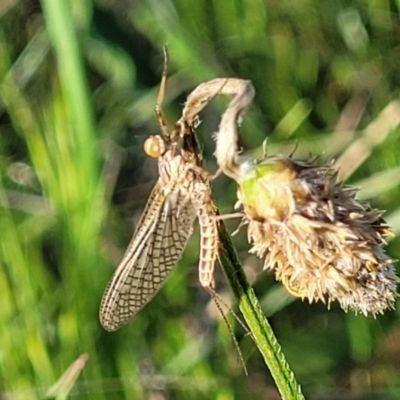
{"x":319,"y":240}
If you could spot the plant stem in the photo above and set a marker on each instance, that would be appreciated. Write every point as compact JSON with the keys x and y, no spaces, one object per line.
{"x":261,"y":331}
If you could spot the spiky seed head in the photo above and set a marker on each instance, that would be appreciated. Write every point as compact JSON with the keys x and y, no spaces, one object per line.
{"x":322,"y":243}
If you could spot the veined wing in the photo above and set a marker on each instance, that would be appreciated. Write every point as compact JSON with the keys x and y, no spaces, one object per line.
{"x":155,"y":248}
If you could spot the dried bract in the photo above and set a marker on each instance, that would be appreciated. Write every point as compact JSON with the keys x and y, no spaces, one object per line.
{"x":319,"y":240}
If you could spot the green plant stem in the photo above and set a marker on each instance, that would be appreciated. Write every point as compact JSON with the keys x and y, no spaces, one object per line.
{"x":261,"y":331}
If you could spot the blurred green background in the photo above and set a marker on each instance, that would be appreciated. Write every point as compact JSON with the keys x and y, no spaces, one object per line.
{"x":78,"y":83}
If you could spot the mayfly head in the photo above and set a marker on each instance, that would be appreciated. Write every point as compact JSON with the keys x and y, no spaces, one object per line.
{"x":154,"y":146}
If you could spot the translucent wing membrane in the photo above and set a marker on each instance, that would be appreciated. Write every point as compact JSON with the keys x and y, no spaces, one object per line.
{"x":157,"y":244}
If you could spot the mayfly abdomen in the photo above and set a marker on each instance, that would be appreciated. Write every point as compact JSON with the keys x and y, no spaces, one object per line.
{"x":201,"y":199}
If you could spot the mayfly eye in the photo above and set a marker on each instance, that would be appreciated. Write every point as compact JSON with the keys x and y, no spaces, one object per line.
{"x":154,"y":146}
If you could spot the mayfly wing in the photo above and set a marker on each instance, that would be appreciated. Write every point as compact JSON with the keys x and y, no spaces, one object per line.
{"x":155,"y":248}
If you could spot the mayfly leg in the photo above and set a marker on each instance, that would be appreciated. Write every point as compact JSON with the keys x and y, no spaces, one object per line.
{"x":160,"y":97}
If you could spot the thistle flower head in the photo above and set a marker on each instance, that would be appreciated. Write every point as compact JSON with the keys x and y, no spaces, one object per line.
{"x":320,"y":241}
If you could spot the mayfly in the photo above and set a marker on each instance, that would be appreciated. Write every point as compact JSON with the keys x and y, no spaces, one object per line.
{"x":181,"y":193}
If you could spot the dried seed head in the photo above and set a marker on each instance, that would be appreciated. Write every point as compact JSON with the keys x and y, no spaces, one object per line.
{"x":319,"y":240}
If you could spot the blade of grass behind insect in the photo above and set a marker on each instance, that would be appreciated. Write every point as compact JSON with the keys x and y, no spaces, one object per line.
{"x":77,"y":186}
{"x":23,"y":278}
{"x":75,"y":92}
{"x":62,"y":149}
